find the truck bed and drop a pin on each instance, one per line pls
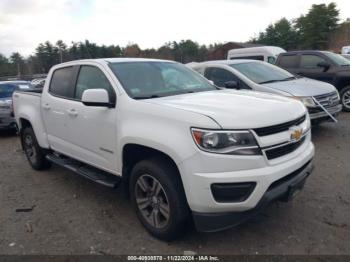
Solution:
(27, 107)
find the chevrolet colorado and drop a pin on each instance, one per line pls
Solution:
(182, 148)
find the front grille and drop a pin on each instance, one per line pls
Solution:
(283, 150)
(328, 100)
(265, 131)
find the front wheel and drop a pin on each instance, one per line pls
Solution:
(345, 98)
(34, 153)
(157, 195)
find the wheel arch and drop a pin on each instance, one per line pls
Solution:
(133, 153)
(40, 134)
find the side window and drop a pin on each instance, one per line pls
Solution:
(259, 57)
(271, 60)
(91, 77)
(61, 82)
(310, 61)
(288, 61)
(219, 76)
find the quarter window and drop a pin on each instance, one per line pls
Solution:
(311, 61)
(91, 77)
(61, 82)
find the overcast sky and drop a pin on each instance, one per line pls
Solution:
(150, 23)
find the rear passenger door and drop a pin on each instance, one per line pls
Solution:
(289, 62)
(54, 107)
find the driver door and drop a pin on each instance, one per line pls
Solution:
(92, 130)
(309, 68)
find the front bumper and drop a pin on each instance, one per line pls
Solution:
(318, 115)
(203, 170)
(282, 189)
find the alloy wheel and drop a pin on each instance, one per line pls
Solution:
(152, 201)
(29, 148)
(346, 99)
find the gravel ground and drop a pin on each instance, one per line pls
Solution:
(72, 215)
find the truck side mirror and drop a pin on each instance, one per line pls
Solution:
(96, 97)
(231, 85)
(324, 65)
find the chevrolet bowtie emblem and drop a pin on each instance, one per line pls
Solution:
(296, 133)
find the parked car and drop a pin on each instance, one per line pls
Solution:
(320, 65)
(7, 120)
(180, 146)
(38, 82)
(346, 56)
(345, 50)
(263, 53)
(264, 77)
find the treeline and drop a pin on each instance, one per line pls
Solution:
(310, 31)
(47, 54)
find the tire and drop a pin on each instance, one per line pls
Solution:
(34, 153)
(164, 215)
(345, 98)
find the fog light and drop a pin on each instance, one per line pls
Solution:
(232, 192)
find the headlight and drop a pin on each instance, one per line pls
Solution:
(307, 101)
(226, 142)
(307, 126)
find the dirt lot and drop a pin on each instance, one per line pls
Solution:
(72, 215)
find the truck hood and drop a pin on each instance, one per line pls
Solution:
(233, 109)
(303, 87)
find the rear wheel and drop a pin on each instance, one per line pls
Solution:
(34, 153)
(345, 98)
(158, 197)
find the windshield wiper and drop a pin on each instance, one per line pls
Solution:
(289, 78)
(270, 81)
(278, 80)
(146, 97)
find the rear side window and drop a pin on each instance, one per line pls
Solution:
(288, 61)
(91, 77)
(260, 58)
(61, 82)
(311, 61)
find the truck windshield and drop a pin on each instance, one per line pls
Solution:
(6, 90)
(338, 59)
(262, 73)
(143, 80)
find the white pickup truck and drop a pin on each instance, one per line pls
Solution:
(182, 148)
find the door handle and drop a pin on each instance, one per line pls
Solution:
(46, 106)
(72, 112)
